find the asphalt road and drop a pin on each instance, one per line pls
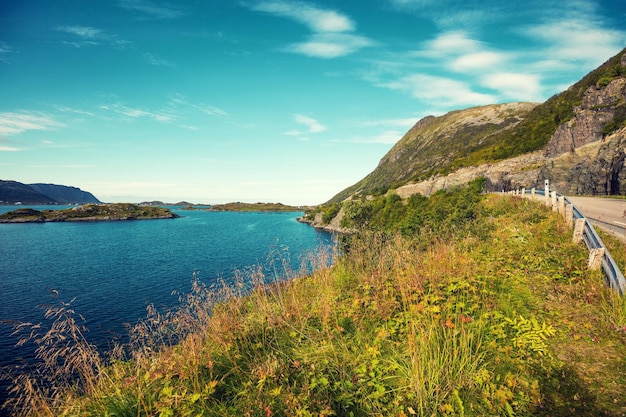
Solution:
(607, 213)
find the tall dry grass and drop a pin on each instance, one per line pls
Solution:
(67, 363)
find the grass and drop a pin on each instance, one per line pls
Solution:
(505, 322)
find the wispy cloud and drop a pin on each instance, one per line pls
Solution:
(152, 9)
(135, 113)
(6, 51)
(14, 123)
(86, 32)
(332, 35)
(181, 104)
(158, 62)
(7, 146)
(311, 126)
(83, 36)
(63, 166)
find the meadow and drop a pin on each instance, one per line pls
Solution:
(469, 305)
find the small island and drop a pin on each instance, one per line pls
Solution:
(255, 207)
(88, 213)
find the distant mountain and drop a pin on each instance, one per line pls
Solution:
(13, 192)
(65, 194)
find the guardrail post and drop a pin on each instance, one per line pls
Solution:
(553, 201)
(561, 201)
(595, 258)
(579, 227)
(533, 192)
(569, 214)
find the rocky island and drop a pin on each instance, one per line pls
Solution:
(88, 213)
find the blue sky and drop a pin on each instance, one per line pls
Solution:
(265, 100)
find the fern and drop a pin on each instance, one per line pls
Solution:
(530, 336)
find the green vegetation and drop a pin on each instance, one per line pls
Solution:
(457, 305)
(254, 207)
(88, 212)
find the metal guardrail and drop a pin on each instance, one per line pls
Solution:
(614, 276)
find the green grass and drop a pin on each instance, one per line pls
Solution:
(497, 317)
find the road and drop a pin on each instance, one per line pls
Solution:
(607, 213)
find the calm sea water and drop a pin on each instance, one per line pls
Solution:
(114, 270)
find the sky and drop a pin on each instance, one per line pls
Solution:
(212, 101)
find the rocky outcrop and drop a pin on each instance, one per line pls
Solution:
(599, 107)
(333, 227)
(596, 168)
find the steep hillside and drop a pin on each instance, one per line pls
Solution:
(437, 145)
(592, 110)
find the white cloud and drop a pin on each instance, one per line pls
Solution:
(330, 45)
(520, 87)
(329, 38)
(452, 42)
(5, 148)
(439, 91)
(82, 31)
(578, 40)
(311, 125)
(482, 60)
(318, 20)
(14, 123)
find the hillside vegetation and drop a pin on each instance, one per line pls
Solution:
(461, 304)
(462, 138)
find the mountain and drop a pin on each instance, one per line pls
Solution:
(12, 192)
(575, 139)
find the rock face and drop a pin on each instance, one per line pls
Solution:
(596, 168)
(598, 108)
(522, 171)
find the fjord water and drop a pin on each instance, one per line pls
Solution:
(114, 270)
